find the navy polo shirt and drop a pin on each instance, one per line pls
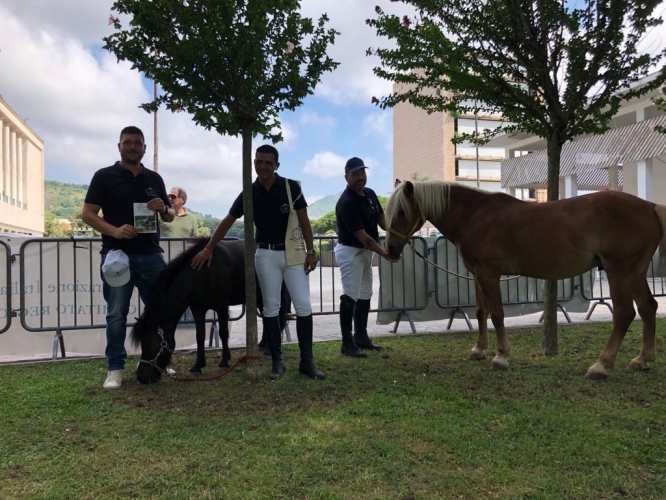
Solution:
(115, 190)
(355, 212)
(271, 209)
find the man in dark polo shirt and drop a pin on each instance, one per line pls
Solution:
(271, 213)
(358, 214)
(130, 197)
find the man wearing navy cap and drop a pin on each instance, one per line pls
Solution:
(358, 214)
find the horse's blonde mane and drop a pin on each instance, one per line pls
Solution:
(433, 196)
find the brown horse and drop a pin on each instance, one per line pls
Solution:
(497, 235)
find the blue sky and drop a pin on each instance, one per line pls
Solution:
(77, 97)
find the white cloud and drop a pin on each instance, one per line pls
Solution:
(325, 165)
(78, 104)
(380, 125)
(324, 124)
(353, 82)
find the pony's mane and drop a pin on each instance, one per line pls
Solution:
(161, 289)
(173, 268)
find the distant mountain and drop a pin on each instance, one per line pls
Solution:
(323, 206)
(64, 199)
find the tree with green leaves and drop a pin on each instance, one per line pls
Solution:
(552, 68)
(54, 227)
(234, 65)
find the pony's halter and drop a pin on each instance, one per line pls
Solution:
(163, 347)
(406, 238)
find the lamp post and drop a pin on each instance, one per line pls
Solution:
(155, 129)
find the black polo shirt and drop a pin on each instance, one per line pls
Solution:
(271, 209)
(115, 190)
(355, 212)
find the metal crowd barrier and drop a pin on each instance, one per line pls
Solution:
(454, 288)
(62, 288)
(600, 293)
(6, 287)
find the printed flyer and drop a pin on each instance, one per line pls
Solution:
(145, 220)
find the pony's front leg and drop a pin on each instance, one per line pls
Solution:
(200, 322)
(223, 316)
(478, 352)
(493, 299)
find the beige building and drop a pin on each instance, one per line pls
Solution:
(21, 176)
(422, 147)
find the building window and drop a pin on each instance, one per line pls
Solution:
(531, 194)
(457, 168)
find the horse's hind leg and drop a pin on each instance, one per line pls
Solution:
(223, 317)
(647, 310)
(493, 300)
(479, 350)
(200, 321)
(621, 291)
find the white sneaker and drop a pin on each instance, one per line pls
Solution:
(114, 379)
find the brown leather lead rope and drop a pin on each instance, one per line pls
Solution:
(241, 360)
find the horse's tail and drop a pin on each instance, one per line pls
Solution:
(661, 213)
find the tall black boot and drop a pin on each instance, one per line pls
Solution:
(361, 338)
(346, 317)
(304, 333)
(274, 338)
(263, 343)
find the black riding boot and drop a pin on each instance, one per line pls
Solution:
(346, 317)
(361, 338)
(263, 343)
(274, 338)
(304, 333)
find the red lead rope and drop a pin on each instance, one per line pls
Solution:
(241, 360)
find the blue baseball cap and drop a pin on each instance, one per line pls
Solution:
(354, 165)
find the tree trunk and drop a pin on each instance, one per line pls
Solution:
(549, 343)
(252, 365)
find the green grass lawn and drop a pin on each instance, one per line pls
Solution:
(417, 421)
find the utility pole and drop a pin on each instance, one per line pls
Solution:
(155, 129)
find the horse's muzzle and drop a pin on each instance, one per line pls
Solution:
(146, 374)
(394, 252)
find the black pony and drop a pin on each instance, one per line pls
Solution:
(179, 287)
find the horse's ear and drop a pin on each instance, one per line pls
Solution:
(409, 189)
(397, 183)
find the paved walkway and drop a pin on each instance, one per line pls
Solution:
(326, 328)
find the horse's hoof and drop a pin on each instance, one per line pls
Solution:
(475, 355)
(597, 371)
(638, 366)
(500, 364)
(596, 374)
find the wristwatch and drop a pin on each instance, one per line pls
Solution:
(311, 252)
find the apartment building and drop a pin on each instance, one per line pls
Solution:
(21, 176)
(422, 147)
